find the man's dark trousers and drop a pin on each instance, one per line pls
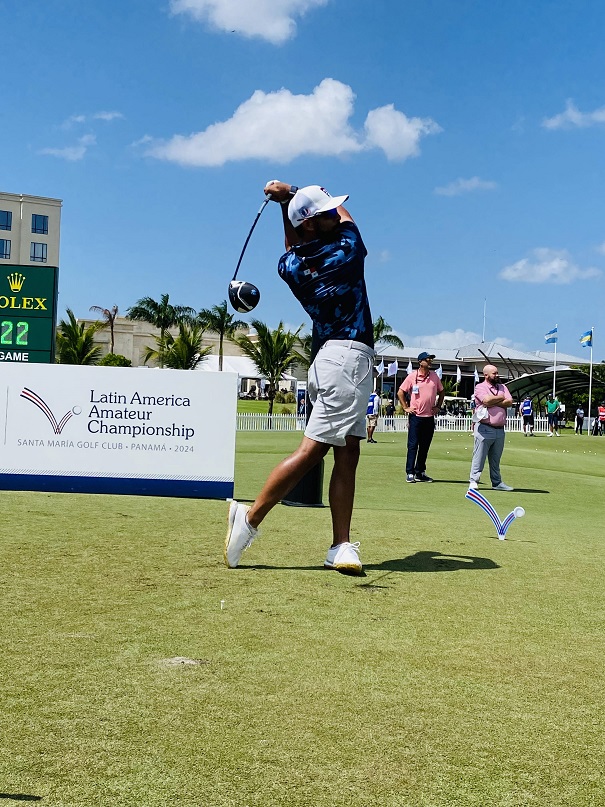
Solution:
(420, 435)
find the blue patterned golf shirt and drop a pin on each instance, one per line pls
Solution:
(326, 277)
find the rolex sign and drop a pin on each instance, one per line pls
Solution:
(28, 297)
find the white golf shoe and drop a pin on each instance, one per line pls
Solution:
(344, 558)
(472, 485)
(502, 486)
(239, 534)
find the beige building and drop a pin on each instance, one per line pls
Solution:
(132, 338)
(29, 230)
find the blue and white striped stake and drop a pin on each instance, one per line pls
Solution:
(501, 526)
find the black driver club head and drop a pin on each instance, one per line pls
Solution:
(244, 297)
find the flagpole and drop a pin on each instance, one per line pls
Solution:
(484, 308)
(590, 382)
(554, 375)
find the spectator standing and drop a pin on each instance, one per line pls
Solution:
(495, 398)
(389, 422)
(424, 391)
(579, 419)
(527, 413)
(372, 413)
(553, 407)
(602, 418)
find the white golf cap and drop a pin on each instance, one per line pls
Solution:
(311, 201)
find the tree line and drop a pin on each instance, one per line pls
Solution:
(273, 351)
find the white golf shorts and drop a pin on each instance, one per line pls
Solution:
(340, 383)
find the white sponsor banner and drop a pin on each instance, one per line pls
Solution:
(117, 430)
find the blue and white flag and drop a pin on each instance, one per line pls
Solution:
(408, 369)
(439, 372)
(551, 336)
(380, 368)
(586, 339)
(458, 375)
(392, 369)
(476, 376)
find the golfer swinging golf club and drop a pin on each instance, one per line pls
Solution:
(324, 268)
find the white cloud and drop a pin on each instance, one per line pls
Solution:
(73, 119)
(547, 266)
(601, 248)
(445, 339)
(280, 127)
(450, 340)
(78, 119)
(384, 256)
(72, 153)
(273, 20)
(397, 135)
(460, 186)
(573, 118)
(108, 116)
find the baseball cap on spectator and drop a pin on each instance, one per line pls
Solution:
(311, 201)
(425, 355)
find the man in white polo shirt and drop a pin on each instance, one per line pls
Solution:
(495, 398)
(421, 396)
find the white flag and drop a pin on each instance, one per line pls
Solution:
(476, 376)
(392, 369)
(408, 369)
(439, 372)
(458, 375)
(380, 368)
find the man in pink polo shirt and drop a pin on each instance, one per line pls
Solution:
(421, 396)
(489, 432)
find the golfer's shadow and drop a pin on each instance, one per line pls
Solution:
(428, 561)
(20, 797)
(424, 561)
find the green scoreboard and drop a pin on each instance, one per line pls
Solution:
(28, 313)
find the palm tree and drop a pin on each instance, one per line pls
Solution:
(75, 341)
(306, 346)
(272, 352)
(183, 353)
(161, 315)
(109, 315)
(384, 333)
(218, 320)
(450, 387)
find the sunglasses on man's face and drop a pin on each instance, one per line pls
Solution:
(328, 214)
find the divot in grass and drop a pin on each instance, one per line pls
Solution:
(179, 661)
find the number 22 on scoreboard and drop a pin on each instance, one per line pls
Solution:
(6, 333)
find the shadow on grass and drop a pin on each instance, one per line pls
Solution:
(530, 490)
(425, 561)
(20, 797)
(452, 481)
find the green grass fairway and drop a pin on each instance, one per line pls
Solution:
(460, 671)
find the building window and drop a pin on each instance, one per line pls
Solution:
(6, 220)
(38, 252)
(39, 224)
(5, 248)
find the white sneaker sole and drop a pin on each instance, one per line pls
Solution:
(344, 568)
(230, 522)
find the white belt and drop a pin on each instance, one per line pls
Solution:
(350, 344)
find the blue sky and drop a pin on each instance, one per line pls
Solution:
(470, 136)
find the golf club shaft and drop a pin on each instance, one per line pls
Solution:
(262, 207)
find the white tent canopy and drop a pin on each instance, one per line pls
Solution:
(242, 365)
